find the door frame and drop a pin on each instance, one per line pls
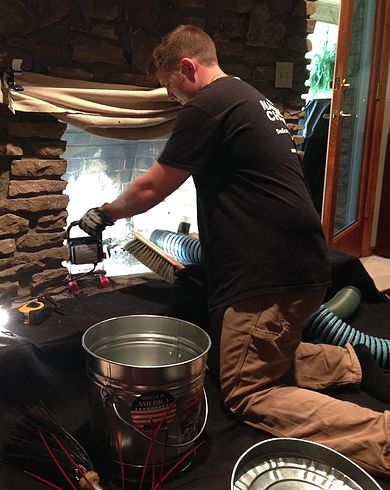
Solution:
(379, 77)
(356, 240)
(382, 246)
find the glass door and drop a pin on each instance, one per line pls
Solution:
(344, 206)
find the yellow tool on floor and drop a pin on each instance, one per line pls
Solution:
(36, 311)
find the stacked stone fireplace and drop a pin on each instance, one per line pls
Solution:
(111, 42)
(33, 207)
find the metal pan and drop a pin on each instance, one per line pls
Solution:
(295, 464)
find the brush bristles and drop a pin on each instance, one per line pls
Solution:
(24, 449)
(153, 258)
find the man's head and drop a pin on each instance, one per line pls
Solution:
(186, 41)
(185, 61)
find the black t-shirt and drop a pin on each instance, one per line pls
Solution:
(258, 228)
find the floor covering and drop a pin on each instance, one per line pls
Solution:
(47, 363)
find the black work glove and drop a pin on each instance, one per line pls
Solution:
(95, 221)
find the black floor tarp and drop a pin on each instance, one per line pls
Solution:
(47, 363)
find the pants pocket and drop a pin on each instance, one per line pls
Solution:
(270, 324)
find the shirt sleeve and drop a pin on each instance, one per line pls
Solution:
(193, 140)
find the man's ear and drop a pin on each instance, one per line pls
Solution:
(188, 68)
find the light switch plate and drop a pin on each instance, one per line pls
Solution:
(284, 74)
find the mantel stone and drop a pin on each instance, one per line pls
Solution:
(42, 186)
(265, 30)
(52, 130)
(51, 222)
(29, 15)
(35, 241)
(8, 289)
(40, 259)
(48, 149)
(7, 247)
(88, 50)
(49, 277)
(35, 204)
(10, 224)
(100, 9)
(29, 167)
(10, 149)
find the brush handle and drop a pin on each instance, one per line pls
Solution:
(158, 250)
(90, 479)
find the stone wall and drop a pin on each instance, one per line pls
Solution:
(111, 41)
(32, 206)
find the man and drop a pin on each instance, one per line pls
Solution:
(264, 251)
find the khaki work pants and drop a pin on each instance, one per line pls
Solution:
(267, 376)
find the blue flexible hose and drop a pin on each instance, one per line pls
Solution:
(330, 329)
(184, 248)
(324, 325)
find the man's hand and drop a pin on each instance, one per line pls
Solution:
(95, 221)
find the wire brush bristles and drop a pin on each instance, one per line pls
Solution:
(40, 445)
(153, 257)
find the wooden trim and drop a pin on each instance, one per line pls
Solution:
(379, 73)
(348, 241)
(382, 246)
(357, 238)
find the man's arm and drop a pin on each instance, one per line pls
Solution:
(146, 191)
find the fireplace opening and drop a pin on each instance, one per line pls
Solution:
(98, 170)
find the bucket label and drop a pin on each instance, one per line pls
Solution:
(153, 409)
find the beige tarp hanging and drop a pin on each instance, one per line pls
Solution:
(113, 111)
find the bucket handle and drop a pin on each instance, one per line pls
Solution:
(183, 444)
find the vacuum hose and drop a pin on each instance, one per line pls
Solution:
(184, 248)
(345, 303)
(327, 326)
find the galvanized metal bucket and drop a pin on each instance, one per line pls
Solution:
(295, 463)
(147, 391)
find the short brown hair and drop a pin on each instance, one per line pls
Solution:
(184, 41)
